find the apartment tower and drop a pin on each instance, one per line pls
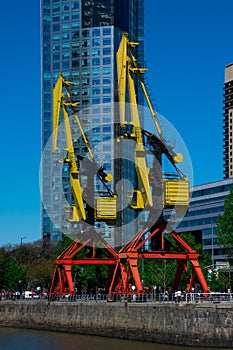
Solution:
(228, 122)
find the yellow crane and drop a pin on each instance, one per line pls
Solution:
(175, 191)
(105, 206)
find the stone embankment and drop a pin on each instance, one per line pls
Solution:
(181, 324)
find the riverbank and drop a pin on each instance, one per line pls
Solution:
(168, 323)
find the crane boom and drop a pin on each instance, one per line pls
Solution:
(105, 206)
(58, 102)
(177, 189)
(144, 196)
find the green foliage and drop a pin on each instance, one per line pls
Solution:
(39, 273)
(161, 272)
(13, 273)
(2, 264)
(224, 228)
(216, 281)
(89, 278)
(64, 243)
(34, 264)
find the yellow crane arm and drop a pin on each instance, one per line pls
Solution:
(122, 62)
(124, 76)
(57, 95)
(58, 101)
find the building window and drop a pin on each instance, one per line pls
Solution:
(96, 138)
(95, 81)
(107, 109)
(95, 52)
(65, 55)
(95, 61)
(96, 91)
(56, 27)
(106, 90)
(106, 148)
(106, 60)
(65, 64)
(96, 71)
(96, 130)
(56, 65)
(75, 24)
(106, 31)
(56, 47)
(65, 26)
(106, 81)
(75, 5)
(86, 43)
(106, 70)
(65, 17)
(65, 36)
(65, 46)
(106, 51)
(107, 166)
(96, 101)
(56, 18)
(65, 7)
(56, 8)
(96, 110)
(106, 157)
(107, 137)
(95, 42)
(107, 128)
(56, 56)
(95, 32)
(107, 99)
(106, 41)
(107, 119)
(75, 15)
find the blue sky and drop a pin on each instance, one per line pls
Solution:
(187, 45)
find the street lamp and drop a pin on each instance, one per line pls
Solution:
(21, 250)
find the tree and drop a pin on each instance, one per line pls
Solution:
(39, 273)
(161, 272)
(224, 230)
(13, 273)
(2, 264)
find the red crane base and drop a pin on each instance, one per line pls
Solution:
(123, 265)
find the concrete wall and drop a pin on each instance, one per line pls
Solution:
(180, 324)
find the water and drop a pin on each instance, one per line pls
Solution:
(23, 339)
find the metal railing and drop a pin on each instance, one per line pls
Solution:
(147, 297)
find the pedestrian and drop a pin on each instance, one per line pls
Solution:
(179, 295)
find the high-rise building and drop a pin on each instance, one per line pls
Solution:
(80, 38)
(207, 200)
(228, 122)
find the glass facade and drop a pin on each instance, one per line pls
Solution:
(207, 202)
(80, 38)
